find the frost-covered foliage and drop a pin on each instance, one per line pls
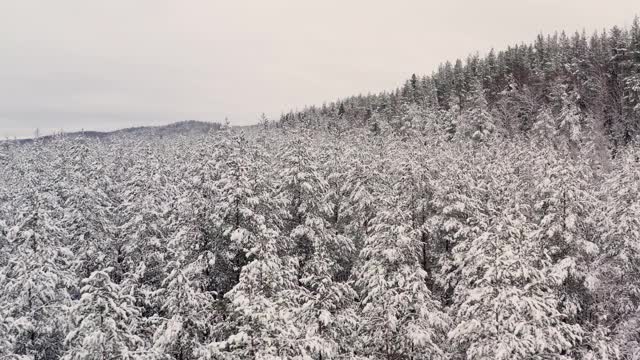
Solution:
(490, 211)
(320, 244)
(556, 84)
(104, 321)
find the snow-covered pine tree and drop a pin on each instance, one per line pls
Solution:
(361, 188)
(324, 302)
(105, 322)
(234, 212)
(476, 122)
(615, 280)
(337, 165)
(88, 210)
(301, 187)
(569, 122)
(185, 316)
(545, 127)
(263, 324)
(504, 307)
(562, 202)
(460, 213)
(36, 276)
(324, 305)
(399, 316)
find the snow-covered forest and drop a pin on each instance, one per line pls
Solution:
(526, 88)
(493, 218)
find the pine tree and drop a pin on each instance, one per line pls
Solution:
(399, 316)
(569, 121)
(36, 279)
(263, 323)
(615, 272)
(105, 322)
(503, 309)
(187, 316)
(321, 299)
(476, 122)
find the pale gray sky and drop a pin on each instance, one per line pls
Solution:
(93, 64)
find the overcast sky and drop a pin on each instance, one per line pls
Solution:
(92, 64)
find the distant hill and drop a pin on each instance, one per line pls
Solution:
(181, 127)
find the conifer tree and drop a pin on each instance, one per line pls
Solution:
(36, 279)
(502, 308)
(105, 322)
(399, 316)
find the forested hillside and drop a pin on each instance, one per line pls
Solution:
(490, 211)
(570, 84)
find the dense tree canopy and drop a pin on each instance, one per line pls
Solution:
(489, 211)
